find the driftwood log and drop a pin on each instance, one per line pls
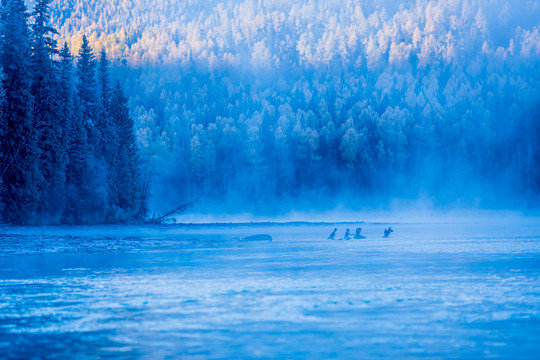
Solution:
(176, 211)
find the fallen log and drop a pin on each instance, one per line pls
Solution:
(178, 210)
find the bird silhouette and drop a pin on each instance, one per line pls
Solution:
(387, 232)
(357, 235)
(331, 237)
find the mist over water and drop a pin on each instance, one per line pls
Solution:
(413, 212)
(268, 107)
(359, 179)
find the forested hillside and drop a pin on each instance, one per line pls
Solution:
(67, 142)
(272, 100)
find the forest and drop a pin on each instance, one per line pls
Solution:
(268, 105)
(67, 142)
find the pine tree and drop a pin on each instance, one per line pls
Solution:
(20, 173)
(47, 106)
(129, 192)
(87, 175)
(2, 126)
(85, 179)
(107, 147)
(87, 89)
(75, 139)
(66, 92)
(105, 86)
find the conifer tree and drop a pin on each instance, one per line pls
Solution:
(75, 139)
(65, 92)
(78, 174)
(19, 170)
(67, 152)
(86, 170)
(86, 88)
(2, 126)
(127, 172)
(107, 147)
(2, 122)
(104, 81)
(47, 106)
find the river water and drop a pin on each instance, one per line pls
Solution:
(431, 290)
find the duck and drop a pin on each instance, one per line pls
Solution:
(331, 237)
(387, 232)
(357, 235)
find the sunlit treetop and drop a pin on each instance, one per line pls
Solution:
(274, 34)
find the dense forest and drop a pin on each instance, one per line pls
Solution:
(264, 105)
(327, 101)
(67, 143)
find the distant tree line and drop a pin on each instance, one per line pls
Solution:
(67, 143)
(326, 137)
(351, 101)
(273, 103)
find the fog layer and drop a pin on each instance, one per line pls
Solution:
(270, 105)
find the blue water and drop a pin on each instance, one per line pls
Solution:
(446, 290)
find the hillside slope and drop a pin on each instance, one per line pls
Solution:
(270, 32)
(272, 100)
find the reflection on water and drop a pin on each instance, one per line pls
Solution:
(427, 291)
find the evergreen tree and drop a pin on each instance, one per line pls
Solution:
(66, 92)
(129, 198)
(51, 126)
(86, 88)
(78, 157)
(20, 173)
(2, 126)
(105, 86)
(2, 122)
(63, 152)
(79, 175)
(86, 170)
(75, 139)
(107, 147)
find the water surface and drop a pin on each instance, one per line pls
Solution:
(437, 290)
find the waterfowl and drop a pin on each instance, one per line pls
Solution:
(357, 235)
(331, 237)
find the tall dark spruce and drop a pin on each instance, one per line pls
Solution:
(20, 153)
(128, 190)
(66, 95)
(2, 127)
(107, 147)
(87, 172)
(51, 125)
(77, 171)
(67, 147)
